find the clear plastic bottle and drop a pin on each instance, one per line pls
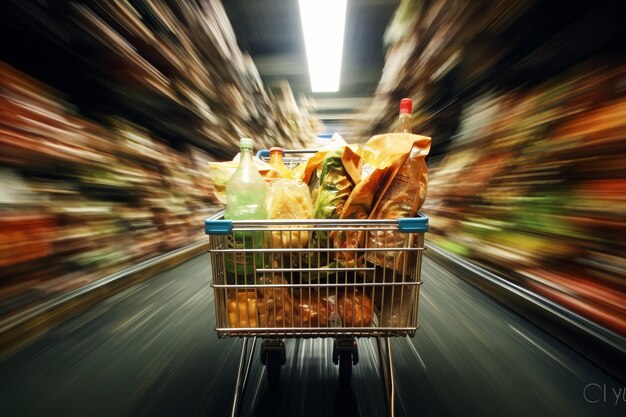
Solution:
(404, 119)
(246, 193)
(246, 189)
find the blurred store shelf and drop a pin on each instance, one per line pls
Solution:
(109, 115)
(526, 104)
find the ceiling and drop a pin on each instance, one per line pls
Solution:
(270, 31)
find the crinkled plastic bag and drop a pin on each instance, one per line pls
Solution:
(383, 158)
(289, 199)
(334, 187)
(402, 195)
(331, 178)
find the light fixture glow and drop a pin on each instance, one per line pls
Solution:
(323, 24)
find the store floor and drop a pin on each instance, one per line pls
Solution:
(152, 351)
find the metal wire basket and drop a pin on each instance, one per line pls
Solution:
(291, 278)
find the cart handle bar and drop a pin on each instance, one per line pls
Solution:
(264, 153)
(405, 225)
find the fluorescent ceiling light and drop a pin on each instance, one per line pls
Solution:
(323, 24)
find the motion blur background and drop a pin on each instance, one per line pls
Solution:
(111, 110)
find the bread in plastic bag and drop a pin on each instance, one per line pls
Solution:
(382, 157)
(289, 199)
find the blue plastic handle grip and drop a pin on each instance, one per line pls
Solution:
(263, 153)
(218, 227)
(413, 224)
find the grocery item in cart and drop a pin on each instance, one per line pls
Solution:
(402, 196)
(330, 187)
(242, 309)
(279, 170)
(359, 204)
(331, 175)
(245, 200)
(267, 306)
(403, 193)
(331, 184)
(275, 304)
(319, 265)
(221, 172)
(383, 157)
(355, 308)
(334, 319)
(289, 199)
(312, 310)
(271, 306)
(404, 118)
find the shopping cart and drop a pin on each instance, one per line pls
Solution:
(341, 279)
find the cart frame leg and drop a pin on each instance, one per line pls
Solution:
(385, 359)
(386, 369)
(345, 354)
(345, 344)
(273, 356)
(245, 364)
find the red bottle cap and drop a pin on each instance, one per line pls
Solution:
(406, 106)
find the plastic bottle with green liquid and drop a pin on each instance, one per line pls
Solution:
(246, 193)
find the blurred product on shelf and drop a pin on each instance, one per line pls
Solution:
(542, 190)
(79, 200)
(528, 171)
(107, 142)
(173, 68)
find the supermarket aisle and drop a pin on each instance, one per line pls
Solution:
(151, 351)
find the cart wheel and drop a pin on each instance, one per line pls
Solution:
(272, 368)
(345, 369)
